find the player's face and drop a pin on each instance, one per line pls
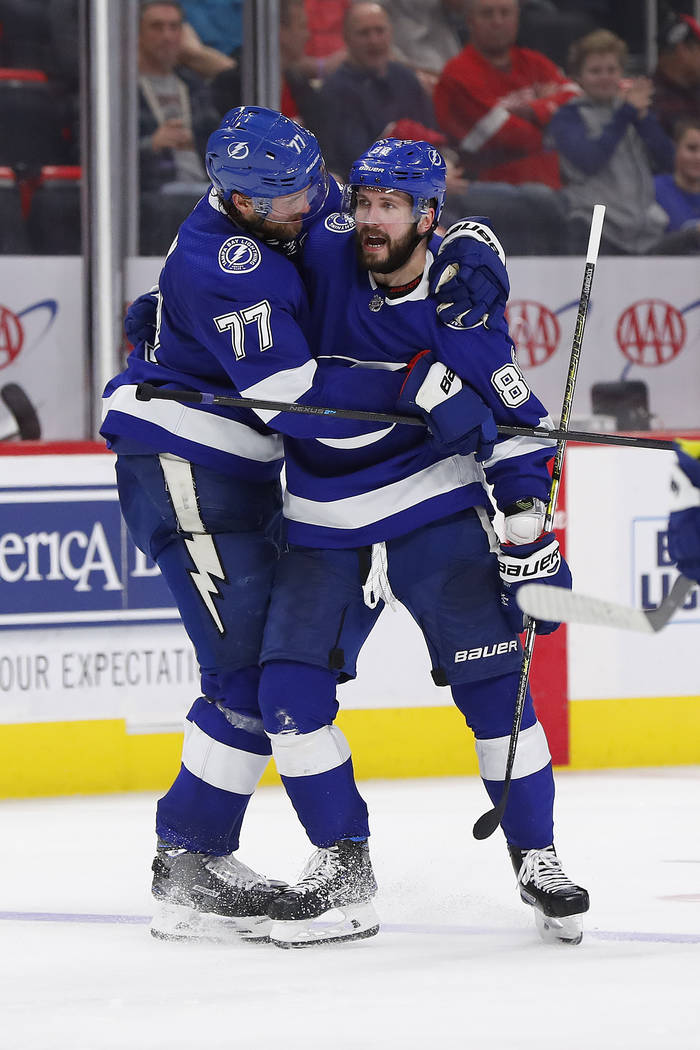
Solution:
(688, 157)
(600, 77)
(385, 229)
(283, 222)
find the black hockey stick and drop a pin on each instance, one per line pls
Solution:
(488, 822)
(558, 603)
(146, 392)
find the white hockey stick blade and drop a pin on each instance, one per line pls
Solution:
(557, 603)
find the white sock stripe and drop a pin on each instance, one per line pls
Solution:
(307, 754)
(221, 765)
(531, 756)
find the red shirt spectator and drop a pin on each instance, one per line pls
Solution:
(494, 100)
(325, 19)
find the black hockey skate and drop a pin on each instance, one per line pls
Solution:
(208, 898)
(558, 903)
(340, 878)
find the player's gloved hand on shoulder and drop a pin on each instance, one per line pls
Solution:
(460, 422)
(469, 278)
(140, 319)
(540, 561)
(684, 523)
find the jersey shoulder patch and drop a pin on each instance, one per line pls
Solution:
(337, 222)
(239, 255)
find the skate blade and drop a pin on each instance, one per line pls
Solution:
(178, 922)
(567, 930)
(357, 922)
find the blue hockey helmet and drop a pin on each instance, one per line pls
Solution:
(415, 168)
(262, 155)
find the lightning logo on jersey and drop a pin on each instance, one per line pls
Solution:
(239, 255)
(202, 550)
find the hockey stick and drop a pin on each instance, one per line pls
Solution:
(146, 392)
(557, 603)
(488, 822)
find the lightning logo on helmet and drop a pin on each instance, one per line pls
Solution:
(238, 150)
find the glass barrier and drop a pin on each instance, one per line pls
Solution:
(183, 66)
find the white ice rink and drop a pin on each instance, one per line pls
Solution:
(457, 964)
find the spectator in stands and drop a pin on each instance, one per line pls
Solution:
(325, 47)
(201, 58)
(494, 100)
(299, 98)
(427, 34)
(679, 194)
(218, 23)
(552, 30)
(368, 91)
(175, 115)
(677, 76)
(607, 139)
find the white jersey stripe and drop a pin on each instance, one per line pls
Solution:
(287, 385)
(357, 442)
(204, 428)
(354, 512)
(513, 447)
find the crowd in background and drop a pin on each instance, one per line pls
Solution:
(540, 107)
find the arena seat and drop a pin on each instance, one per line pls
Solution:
(160, 216)
(53, 222)
(627, 401)
(13, 235)
(34, 120)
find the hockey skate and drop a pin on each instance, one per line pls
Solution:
(205, 898)
(336, 879)
(557, 902)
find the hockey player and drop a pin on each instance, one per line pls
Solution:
(684, 522)
(199, 487)
(388, 517)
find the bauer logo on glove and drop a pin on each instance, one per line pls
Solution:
(522, 563)
(536, 566)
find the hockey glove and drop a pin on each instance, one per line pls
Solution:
(468, 277)
(459, 421)
(538, 562)
(140, 320)
(684, 524)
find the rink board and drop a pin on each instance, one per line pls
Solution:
(96, 672)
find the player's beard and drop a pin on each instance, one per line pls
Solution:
(268, 230)
(397, 250)
(263, 228)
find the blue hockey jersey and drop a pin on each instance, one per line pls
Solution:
(233, 318)
(357, 490)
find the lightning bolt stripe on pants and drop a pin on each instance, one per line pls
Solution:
(200, 545)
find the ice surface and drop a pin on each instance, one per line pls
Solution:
(457, 964)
